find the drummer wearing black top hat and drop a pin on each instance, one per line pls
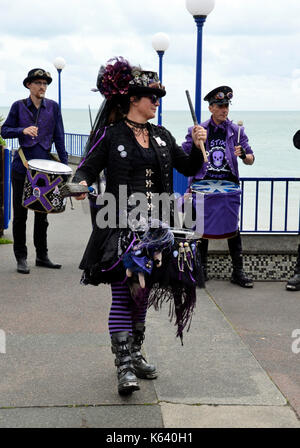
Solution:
(37, 123)
(226, 142)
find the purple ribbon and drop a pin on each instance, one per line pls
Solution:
(120, 259)
(43, 190)
(98, 141)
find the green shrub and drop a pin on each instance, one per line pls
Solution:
(5, 241)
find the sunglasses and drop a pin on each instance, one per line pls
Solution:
(153, 98)
(221, 95)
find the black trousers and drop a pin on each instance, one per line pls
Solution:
(19, 222)
(234, 246)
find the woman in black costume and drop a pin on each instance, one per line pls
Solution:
(139, 257)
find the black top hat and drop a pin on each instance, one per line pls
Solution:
(37, 73)
(219, 95)
(145, 83)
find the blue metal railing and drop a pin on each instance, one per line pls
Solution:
(285, 203)
(268, 205)
(74, 143)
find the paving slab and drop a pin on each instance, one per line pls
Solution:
(214, 366)
(58, 370)
(266, 317)
(83, 417)
(183, 416)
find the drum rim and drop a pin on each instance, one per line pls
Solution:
(185, 233)
(49, 171)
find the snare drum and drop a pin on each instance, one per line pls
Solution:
(217, 205)
(43, 181)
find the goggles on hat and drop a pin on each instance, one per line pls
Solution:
(221, 95)
(41, 73)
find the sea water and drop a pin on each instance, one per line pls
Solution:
(270, 136)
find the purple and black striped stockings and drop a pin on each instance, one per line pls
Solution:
(124, 311)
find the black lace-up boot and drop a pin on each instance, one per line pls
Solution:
(142, 368)
(126, 373)
(294, 283)
(238, 275)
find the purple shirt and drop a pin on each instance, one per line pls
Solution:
(22, 115)
(231, 141)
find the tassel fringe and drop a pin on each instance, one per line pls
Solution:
(182, 302)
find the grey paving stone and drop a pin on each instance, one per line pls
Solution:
(183, 416)
(82, 417)
(213, 367)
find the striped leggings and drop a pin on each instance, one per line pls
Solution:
(124, 312)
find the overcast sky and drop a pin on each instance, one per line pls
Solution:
(252, 46)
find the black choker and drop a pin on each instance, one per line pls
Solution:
(139, 129)
(136, 125)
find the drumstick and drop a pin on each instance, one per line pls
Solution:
(240, 124)
(196, 123)
(91, 121)
(38, 112)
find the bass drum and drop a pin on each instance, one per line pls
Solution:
(217, 204)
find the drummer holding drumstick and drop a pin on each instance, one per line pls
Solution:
(226, 142)
(36, 122)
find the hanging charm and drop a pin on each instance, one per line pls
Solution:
(181, 255)
(188, 256)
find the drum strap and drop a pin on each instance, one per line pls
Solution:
(23, 158)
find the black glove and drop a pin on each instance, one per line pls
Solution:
(243, 156)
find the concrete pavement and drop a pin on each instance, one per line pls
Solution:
(236, 368)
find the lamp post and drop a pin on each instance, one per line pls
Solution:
(160, 42)
(59, 64)
(199, 10)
